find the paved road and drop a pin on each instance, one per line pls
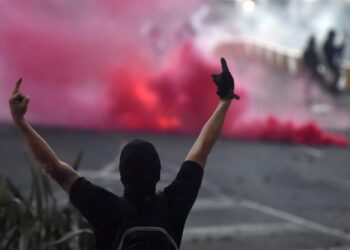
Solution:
(254, 195)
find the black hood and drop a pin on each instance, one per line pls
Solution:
(139, 168)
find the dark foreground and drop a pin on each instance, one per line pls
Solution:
(254, 195)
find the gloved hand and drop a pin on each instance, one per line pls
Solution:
(225, 83)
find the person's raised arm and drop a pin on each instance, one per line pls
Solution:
(212, 128)
(60, 171)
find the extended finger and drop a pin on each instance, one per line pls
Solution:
(18, 84)
(224, 65)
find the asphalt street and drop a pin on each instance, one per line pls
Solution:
(254, 195)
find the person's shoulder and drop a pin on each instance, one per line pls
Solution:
(78, 184)
(192, 166)
(190, 173)
(83, 187)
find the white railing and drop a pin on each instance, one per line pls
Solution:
(279, 56)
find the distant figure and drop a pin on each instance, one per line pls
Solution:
(311, 59)
(141, 219)
(333, 54)
(311, 62)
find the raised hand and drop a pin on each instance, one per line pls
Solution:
(18, 103)
(225, 83)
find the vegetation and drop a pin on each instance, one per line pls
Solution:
(38, 221)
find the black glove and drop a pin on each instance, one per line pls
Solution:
(225, 83)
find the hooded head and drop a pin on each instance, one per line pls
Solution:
(139, 168)
(331, 35)
(311, 43)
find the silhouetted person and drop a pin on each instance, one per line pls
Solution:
(114, 219)
(333, 54)
(310, 57)
(311, 62)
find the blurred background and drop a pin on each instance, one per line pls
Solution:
(100, 73)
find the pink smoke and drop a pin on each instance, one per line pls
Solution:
(118, 65)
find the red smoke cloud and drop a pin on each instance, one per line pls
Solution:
(179, 98)
(117, 65)
(273, 129)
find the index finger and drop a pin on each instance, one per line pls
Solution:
(18, 84)
(224, 65)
